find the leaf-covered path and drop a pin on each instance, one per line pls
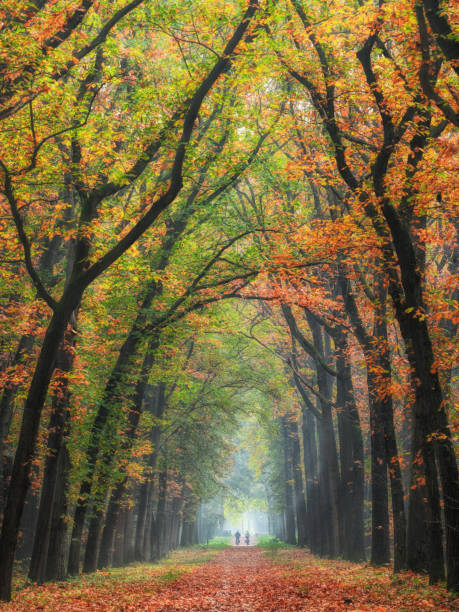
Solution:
(245, 579)
(238, 579)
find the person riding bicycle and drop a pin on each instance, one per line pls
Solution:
(247, 538)
(237, 535)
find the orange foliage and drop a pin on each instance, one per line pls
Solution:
(240, 579)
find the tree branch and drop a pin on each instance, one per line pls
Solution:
(41, 290)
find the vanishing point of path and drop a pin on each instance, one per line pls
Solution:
(238, 579)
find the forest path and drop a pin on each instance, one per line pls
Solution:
(247, 579)
(238, 579)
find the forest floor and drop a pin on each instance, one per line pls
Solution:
(238, 579)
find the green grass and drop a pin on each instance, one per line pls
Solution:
(218, 543)
(205, 552)
(271, 545)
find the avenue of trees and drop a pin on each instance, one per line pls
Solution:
(228, 223)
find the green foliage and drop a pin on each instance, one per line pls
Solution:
(271, 545)
(218, 543)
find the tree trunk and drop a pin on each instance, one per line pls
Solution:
(96, 522)
(419, 529)
(385, 404)
(315, 525)
(351, 456)
(329, 471)
(376, 371)
(6, 413)
(129, 538)
(56, 567)
(431, 419)
(156, 405)
(111, 521)
(380, 540)
(160, 519)
(27, 528)
(20, 477)
(57, 427)
(144, 512)
(300, 503)
(120, 540)
(288, 488)
(430, 409)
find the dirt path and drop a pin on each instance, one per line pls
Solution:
(244, 579)
(240, 578)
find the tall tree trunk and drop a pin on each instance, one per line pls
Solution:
(19, 482)
(378, 398)
(97, 517)
(120, 540)
(110, 524)
(300, 503)
(145, 510)
(56, 566)
(160, 519)
(96, 523)
(57, 427)
(129, 537)
(27, 527)
(430, 420)
(419, 529)
(156, 405)
(329, 471)
(385, 404)
(6, 413)
(52, 253)
(189, 518)
(151, 532)
(315, 525)
(288, 488)
(380, 539)
(351, 456)
(430, 409)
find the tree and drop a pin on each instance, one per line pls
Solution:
(84, 272)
